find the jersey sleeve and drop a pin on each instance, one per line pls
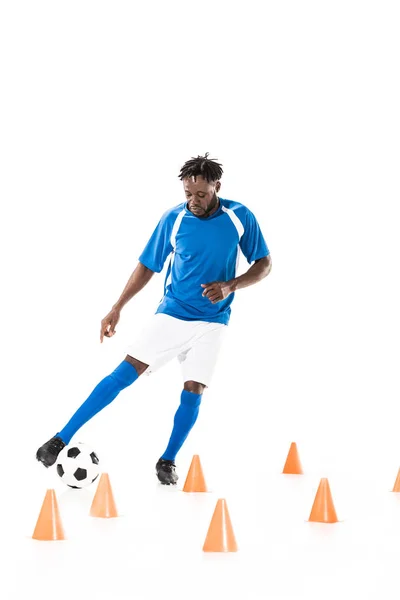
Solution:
(252, 242)
(159, 247)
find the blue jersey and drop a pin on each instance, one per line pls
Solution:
(201, 250)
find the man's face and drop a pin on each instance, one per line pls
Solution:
(200, 195)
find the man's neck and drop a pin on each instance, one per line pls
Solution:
(213, 210)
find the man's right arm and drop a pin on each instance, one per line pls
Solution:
(154, 254)
(139, 278)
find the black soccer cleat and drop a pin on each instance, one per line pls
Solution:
(166, 473)
(47, 454)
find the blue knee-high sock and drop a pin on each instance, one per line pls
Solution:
(185, 418)
(104, 393)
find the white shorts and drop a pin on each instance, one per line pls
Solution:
(196, 344)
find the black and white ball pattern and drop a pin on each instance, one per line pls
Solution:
(78, 465)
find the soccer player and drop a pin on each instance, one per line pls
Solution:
(202, 237)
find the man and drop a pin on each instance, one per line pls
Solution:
(203, 237)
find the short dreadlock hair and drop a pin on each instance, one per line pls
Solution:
(204, 166)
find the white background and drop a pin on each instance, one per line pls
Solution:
(101, 105)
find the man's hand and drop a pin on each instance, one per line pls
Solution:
(217, 290)
(108, 324)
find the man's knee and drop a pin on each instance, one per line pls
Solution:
(194, 386)
(139, 366)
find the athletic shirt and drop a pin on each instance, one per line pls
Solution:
(201, 250)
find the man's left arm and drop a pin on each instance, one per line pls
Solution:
(219, 290)
(252, 244)
(258, 270)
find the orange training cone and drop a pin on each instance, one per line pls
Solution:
(220, 536)
(396, 487)
(293, 464)
(195, 481)
(103, 504)
(49, 526)
(323, 510)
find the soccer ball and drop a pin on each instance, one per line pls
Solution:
(78, 465)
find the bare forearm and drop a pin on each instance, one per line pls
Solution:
(139, 278)
(256, 273)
